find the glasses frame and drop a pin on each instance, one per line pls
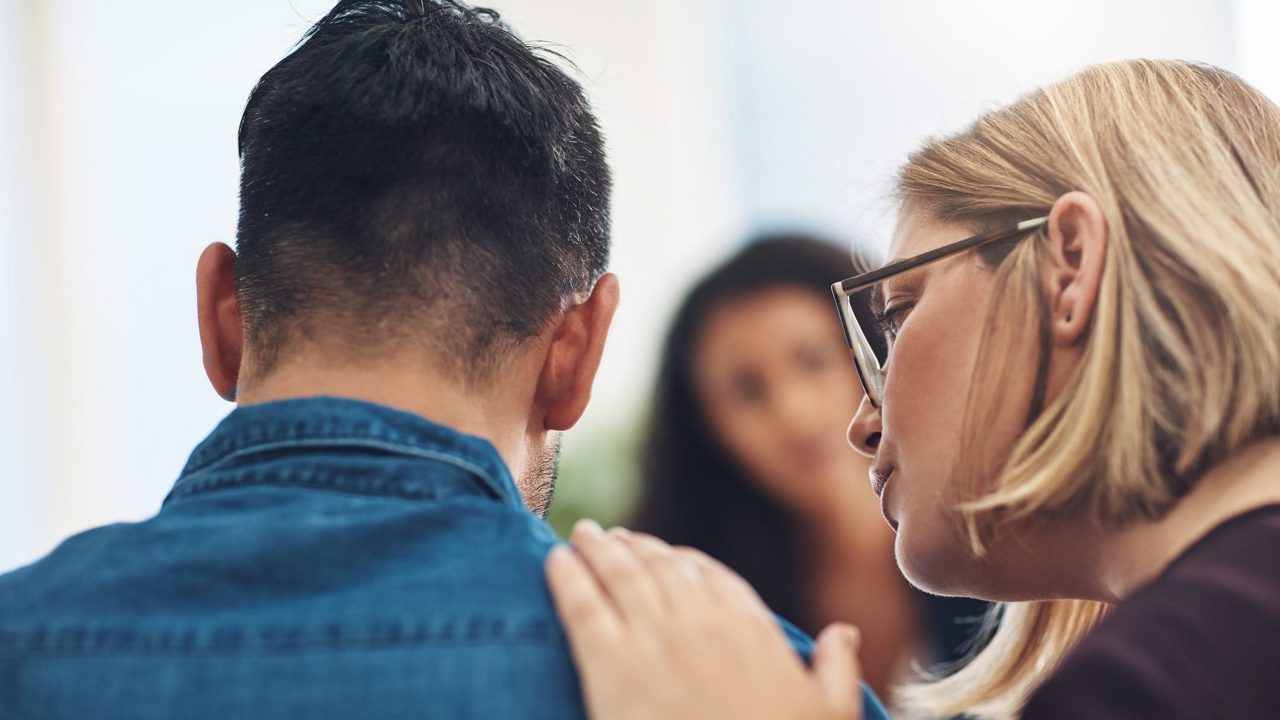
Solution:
(870, 372)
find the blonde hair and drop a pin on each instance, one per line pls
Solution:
(1182, 363)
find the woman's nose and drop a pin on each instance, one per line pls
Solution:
(864, 430)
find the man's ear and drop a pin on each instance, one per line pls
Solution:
(1076, 257)
(221, 326)
(573, 356)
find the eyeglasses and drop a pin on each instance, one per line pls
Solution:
(863, 328)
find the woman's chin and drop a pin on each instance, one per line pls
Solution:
(936, 565)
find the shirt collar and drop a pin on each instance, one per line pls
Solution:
(330, 422)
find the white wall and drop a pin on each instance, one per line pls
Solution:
(22, 430)
(122, 117)
(118, 164)
(1257, 52)
(830, 96)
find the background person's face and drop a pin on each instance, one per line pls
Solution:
(773, 378)
(940, 311)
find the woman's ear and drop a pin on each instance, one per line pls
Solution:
(221, 326)
(573, 356)
(1076, 251)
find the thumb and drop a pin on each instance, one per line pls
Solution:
(835, 667)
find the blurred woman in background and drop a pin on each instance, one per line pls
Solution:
(746, 456)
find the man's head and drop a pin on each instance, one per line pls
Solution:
(419, 188)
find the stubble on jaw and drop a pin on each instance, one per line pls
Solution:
(537, 484)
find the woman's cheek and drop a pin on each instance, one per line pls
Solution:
(747, 438)
(932, 555)
(925, 392)
(911, 401)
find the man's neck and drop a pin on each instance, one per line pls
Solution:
(410, 387)
(1136, 555)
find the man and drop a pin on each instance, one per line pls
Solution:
(416, 307)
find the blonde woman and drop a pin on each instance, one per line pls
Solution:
(1078, 415)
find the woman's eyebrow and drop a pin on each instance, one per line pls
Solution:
(906, 282)
(877, 298)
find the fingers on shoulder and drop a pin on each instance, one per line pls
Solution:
(727, 587)
(624, 577)
(588, 615)
(837, 671)
(676, 575)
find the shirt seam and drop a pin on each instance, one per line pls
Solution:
(294, 649)
(79, 641)
(438, 456)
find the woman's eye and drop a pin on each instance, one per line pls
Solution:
(889, 322)
(748, 389)
(815, 359)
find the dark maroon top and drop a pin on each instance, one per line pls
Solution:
(1201, 641)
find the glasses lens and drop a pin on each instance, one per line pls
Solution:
(861, 302)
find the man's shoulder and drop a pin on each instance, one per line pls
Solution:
(319, 561)
(437, 606)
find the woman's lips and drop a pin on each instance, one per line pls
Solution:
(880, 479)
(814, 454)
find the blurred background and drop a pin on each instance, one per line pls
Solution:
(725, 119)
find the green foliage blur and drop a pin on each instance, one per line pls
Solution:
(599, 476)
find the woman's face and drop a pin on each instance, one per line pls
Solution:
(773, 377)
(939, 312)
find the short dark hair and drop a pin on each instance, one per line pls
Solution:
(414, 171)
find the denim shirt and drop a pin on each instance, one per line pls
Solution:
(317, 558)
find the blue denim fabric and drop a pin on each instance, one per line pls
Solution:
(318, 558)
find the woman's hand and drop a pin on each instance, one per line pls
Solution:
(662, 632)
